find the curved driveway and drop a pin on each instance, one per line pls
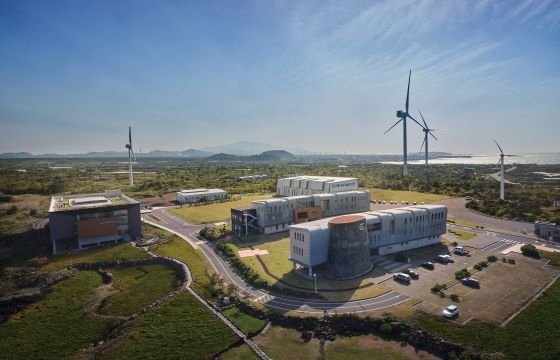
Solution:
(161, 218)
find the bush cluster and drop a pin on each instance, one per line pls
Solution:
(249, 274)
(481, 265)
(531, 251)
(461, 274)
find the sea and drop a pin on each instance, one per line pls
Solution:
(529, 158)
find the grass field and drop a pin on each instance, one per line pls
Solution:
(138, 287)
(200, 268)
(242, 352)
(533, 334)
(553, 256)
(246, 323)
(178, 329)
(281, 343)
(398, 195)
(123, 251)
(56, 326)
(213, 212)
(461, 235)
(277, 262)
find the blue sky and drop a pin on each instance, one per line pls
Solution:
(323, 76)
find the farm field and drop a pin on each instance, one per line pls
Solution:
(124, 251)
(213, 212)
(59, 324)
(137, 287)
(287, 344)
(200, 267)
(175, 328)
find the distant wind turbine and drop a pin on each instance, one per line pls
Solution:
(502, 172)
(403, 115)
(426, 131)
(130, 155)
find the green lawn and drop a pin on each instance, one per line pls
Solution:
(462, 235)
(242, 352)
(463, 222)
(246, 323)
(398, 195)
(56, 326)
(213, 212)
(277, 262)
(181, 328)
(179, 249)
(533, 334)
(138, 287)
(125, 251)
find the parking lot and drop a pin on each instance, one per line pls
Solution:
(504, 288)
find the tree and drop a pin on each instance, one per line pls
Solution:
(531, 251)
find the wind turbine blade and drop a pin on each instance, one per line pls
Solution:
(499, 146)
(392, 126)
(421, 147)
(423, 119)
(413, 119)
(433, 136)
(133, 154)
(408, 91)
(129, 136)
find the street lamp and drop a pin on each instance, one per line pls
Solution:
(315, 278)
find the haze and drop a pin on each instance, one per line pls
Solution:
(321, 76)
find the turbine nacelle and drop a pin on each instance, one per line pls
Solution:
(128, 146)
(402, 114)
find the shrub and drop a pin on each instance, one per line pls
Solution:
(12, 210)
(511, 261)
(386, 329)
(454, 297)
(504, 260)
(454, 243)
(463, 273)
(531, 251)
(438, 288)
(492, 258)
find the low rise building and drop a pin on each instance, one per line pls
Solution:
(310, 185)
(81, 221)
(276, 215)
(388, 232)
(200, 195)
(243, 220)
(548, 231)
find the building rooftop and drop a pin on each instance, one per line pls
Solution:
(319, 178)
(86, 201)
(345, 219)
(200, 191)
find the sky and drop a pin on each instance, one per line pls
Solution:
(325, 76)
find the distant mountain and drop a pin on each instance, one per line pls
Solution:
(16, 155)
(247, 148)
(270, 155)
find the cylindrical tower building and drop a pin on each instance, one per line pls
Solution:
(348, 247)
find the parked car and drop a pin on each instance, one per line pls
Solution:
(402, 202)
(428, 265)
(412, 273)
(468, 198)
(449, 258)
(459, 250)
(470, 282)
(451, 311)
(402, 277)
(442, 259)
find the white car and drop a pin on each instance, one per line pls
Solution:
(449, 258)
(402, 277)
(450, 311)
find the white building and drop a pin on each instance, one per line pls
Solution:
(309, 185)
(200, 195)
(276, 215)
(389, 231)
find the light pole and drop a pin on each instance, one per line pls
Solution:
(315, 278)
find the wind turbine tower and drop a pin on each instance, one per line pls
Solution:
(403, 115)
(502, 171)
(426, 131)
(130, 155)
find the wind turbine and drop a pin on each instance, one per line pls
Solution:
(130, 155)
(426, 131)
(502, 172)
(403, 115)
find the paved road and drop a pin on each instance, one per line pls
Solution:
(456, 208)
(187, 231)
